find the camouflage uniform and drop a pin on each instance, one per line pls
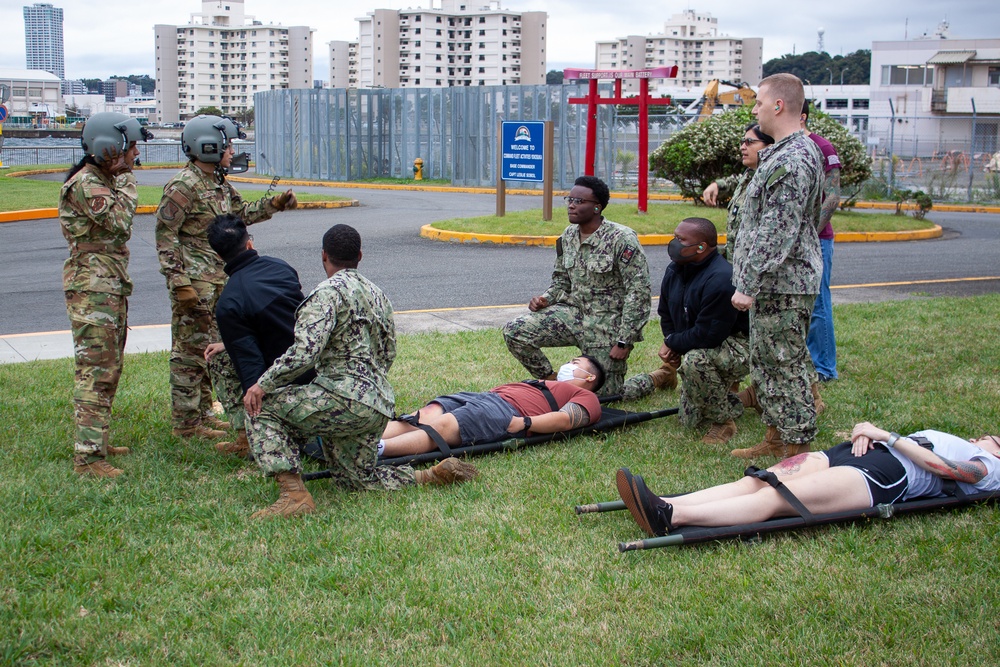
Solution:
(777, 261)
(228, 388)
(95, 213)
(345, 331)
(191, 201)
(706, 375)
(599, 295)
(738, 185)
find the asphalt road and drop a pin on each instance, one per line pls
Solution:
(420, 274)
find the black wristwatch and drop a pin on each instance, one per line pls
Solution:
(622, 344)
(527, 423)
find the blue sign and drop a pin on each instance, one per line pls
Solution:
(3, 113)
(522, 157)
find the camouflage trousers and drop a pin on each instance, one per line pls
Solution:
(706, 376)
(349, 429)
(228, 388)
(191, 330)
(99, 324)
(560, 325)
(780, 365)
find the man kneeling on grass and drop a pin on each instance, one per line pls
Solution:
(468, 418)
(344, 331)
(875, 467)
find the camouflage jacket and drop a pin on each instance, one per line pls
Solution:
(345, 331)
(190, 202)
(605, 277)
(95, 214)
(736, 184)
(777, 244)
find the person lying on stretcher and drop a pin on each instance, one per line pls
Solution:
(468, 418)
(874, 467)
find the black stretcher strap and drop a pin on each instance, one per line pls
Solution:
(414, 420)
(772, 479)
(540, 386)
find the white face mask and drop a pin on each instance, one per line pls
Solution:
(567, 372)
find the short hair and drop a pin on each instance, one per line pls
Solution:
(786, 87)
(805, 109)
(704, 229)
(228, 236)
(759, 133)
(342, 244)
(597, 186)
(598, 371)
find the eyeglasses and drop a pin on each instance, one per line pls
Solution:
(577, 201)
(746, 141)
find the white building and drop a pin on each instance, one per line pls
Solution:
(454, 44)
(35, 95)
(222, 56)
(343, 64)
(43, 38)
(692, 42)
(850, 105)
(930, 85)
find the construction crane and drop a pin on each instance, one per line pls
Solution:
(742, 94)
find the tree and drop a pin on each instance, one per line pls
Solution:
(819, 68)
(208, 111)
(554, 78)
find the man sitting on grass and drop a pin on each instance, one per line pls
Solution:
(468, 418)
(875, 467)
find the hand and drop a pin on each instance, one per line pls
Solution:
(213, 349)
(741, 301)
(620, 353)
(186, 296)
(862, 436)
(252, 400)
(115, 161)
(538, 303)
(286, 201)
(668, 356)
(711, 194)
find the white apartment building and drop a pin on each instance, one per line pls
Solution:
(222, 56)
(343, 64)
(453, 44)
(692, 42)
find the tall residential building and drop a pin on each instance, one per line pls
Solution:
(693, 43)
(343, 64)
(453, 44)
(222, 56)
(43, 38)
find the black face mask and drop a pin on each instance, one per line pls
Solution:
(675, 249)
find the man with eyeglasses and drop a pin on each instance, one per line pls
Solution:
(599, 298)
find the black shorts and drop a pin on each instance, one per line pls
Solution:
(481, 416)
(885, 475)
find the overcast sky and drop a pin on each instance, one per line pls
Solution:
(106, 37)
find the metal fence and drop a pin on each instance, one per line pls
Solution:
(69, 152)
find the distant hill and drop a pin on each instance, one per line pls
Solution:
(821, 68)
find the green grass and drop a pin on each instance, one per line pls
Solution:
(661, 218)
(20, 193)
(163, 566)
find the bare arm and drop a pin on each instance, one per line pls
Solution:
(569, 417)
(969, 472)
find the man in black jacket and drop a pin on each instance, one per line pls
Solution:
(704, 336)
(256, 317)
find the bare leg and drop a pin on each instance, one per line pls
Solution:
(790, 468)
(424, 414)
(418, 442)
(831, 490)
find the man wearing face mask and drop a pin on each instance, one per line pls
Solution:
(467, 418)
(703, 334)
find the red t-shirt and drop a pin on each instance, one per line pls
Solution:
(830, 161)
(530, 402)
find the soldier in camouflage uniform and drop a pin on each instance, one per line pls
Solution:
(96, 205)
(599, 298)
(194, 272)
(344, 330)
(776, 271)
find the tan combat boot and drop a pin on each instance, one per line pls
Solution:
(97, 468)
(720, 434)
(199, 431)
(117, 451)
(293, 500)
(210, 420)
(817, 399)
(449, 471)
(771, 445)
(240, 448)
(748, 397)
(665, 377)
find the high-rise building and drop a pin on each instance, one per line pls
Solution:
(222, 56)
(454, 44)
(343, 64)
(693, 43)
(43, 38)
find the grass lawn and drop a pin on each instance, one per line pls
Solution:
(661, 218)
(24, 193)
(163, 567)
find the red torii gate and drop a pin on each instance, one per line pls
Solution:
(643, 101)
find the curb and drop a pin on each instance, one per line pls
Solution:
(435, 234)
(51, 213)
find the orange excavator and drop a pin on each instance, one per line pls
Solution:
(742, 94)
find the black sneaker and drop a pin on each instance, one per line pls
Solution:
(626, 489)
(658, 512)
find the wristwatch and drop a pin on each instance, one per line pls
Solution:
(893, 437)
(622, 344)
(527, 423)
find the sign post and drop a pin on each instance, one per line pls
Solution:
(4, 96)
(525, 154)
(643, 101)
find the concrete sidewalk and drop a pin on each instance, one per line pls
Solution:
(18, 348)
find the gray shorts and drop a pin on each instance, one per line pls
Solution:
(481, 416)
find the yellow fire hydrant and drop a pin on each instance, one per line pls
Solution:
(418, 170)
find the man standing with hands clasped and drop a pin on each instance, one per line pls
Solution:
(777, 267)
